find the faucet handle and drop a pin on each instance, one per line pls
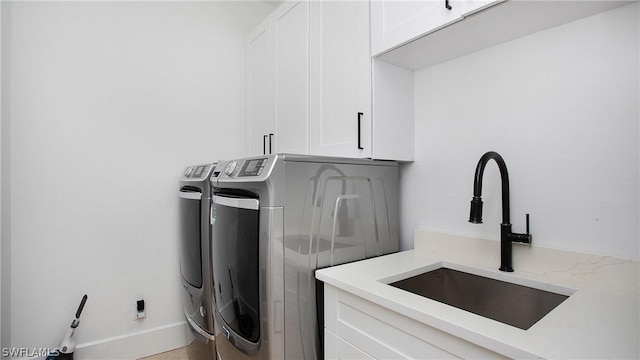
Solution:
(521, 238)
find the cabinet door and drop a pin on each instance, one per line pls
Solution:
(340, 79)
(396, 22)
(258, 107)
(291, 77)
(357, 324)
(337, 348)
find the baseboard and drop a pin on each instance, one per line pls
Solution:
(136, 345)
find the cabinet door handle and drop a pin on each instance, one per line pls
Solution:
(264, 144)
(270, 135)
(359, 131)
(447, 5)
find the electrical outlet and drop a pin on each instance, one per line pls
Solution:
(140, 311)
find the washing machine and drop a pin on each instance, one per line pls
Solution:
(275, 219)
(195, 252)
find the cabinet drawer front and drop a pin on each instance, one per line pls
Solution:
(385, 340)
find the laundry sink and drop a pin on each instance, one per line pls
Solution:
(510, 303)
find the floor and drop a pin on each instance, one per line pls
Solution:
(194, 351)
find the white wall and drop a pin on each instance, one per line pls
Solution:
(109, 102)
(561, 107)
(5, 245)
(1, 282)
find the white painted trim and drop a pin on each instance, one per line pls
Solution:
(136, 345)
(0, 169)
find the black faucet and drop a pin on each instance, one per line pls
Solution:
(475, 217)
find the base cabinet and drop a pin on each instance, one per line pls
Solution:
(357, 328)
(338, 348)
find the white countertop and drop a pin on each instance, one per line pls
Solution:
(601, 319)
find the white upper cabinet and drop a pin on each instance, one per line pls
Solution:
(468, 7)
(340, 106)
(310, 86)
(259, 122)
(290, 28)
(393, 120)
(418, 34)
(394, 23)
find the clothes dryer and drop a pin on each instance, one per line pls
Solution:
(275, 219)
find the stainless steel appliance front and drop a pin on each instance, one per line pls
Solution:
(195, 256)
(275, 220)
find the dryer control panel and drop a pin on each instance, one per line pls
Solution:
(196, 172)
(245, 168)
(250, 169)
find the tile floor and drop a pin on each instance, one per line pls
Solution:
(194, 351)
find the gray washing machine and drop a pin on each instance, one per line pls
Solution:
(275, 219)
(195, 253)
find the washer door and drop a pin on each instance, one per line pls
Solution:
(190, 239)
(234, 230)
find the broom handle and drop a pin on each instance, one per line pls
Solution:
(84, 300)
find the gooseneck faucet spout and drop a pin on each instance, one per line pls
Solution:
(475, 216)
(476, 204)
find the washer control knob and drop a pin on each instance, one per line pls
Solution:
(230, 167)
